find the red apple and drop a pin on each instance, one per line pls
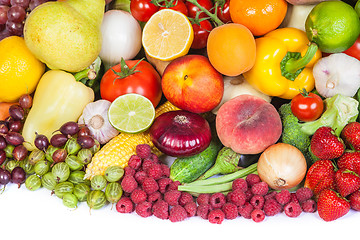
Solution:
(193, 84)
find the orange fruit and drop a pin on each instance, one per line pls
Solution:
(20, 70)
(167, 35)
(231, 49)
(260, 16)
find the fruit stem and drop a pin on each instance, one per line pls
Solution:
(206, 189)
(293, 65)
(89, 73)
(213, 16)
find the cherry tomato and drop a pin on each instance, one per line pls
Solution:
(179, 5)
(144, 80)
(223, 12)
(307, 107)
(192, 9)
(354, 50)
(142, 10)
(201, 34)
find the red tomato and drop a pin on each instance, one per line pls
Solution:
(192, 9)
(144, 80)
(178, 5)
(201, 34)
(354, 50)
(142, 10)
(223, 12)
(307, 107)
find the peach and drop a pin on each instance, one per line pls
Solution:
(248, 124)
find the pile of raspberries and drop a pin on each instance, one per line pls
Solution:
(148, 190)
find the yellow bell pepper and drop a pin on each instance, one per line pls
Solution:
(58, 98)
(284, 62)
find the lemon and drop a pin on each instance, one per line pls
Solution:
(167, 35)
(333, 25)
(131, 113)
(20, 70)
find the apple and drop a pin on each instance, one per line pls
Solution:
(191, 83)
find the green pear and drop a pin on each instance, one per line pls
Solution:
(66, 34)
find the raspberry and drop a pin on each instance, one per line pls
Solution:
(185, 198)
(177, 214)
(166, 170)
(129, 171)
(143, 150)
(154, 171)
(260, 188)
(230, 210)
(309, 206)
(245, 210)
(190, 208)
(149, 185)
(272, 207)
(144, 209)
(292, 209)
(138, 196)
(270, 195)
(294, 198)
(203, 210)
(125, 205)
(303, 194)
(154, 158)
(174, 185)
(257, 215)
(237, 197)
(240, 183)
(252, 178)
(172, 197)
(203, 198)
(283, 197)
(217, 200)
(155, 197)
(257, 201)
(161, 209)
(128, 184)
(147, 163)
(216, 216)
(135, 162)
(164, 184)
(140, 176)
(248, 195)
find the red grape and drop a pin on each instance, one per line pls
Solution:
(18, 176)
(15, 28)
(5, 2)
(2, 156)
(69, 128)
(25, 101)
(23, 3)
(15, 125)
(2, 143)
(16, 112)
(20, 152)
(16, 14)
(58, 140)
(3, 14)
(14, 138)
(85, 141)
(41, 142)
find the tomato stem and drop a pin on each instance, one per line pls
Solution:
(125, 70)
(213, 16)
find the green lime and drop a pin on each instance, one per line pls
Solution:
(333, 25)
(357, 8)
(131, 113)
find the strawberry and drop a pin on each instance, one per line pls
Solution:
(350, 160)
(325, 144)
(331, 205)
(346, 181)
(354, 199)
(320, 176)
(351, 135)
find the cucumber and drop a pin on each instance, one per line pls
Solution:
(188, 169)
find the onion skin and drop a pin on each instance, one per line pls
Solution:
(180, 133)
(282, 166)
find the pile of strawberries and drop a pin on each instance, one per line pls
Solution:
(335, 178)
(149, 191)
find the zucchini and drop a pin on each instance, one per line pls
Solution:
(188, 169)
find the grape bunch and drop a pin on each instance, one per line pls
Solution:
(13, 14)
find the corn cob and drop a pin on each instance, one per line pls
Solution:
(119, 149)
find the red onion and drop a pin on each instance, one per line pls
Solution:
(180, 133)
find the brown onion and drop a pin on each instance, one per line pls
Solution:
(282, 166)
(180, 133)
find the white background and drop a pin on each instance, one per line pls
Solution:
(38, 215)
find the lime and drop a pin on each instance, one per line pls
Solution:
(333, 25)
(131, 113)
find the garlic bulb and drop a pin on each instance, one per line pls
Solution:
(95, 117)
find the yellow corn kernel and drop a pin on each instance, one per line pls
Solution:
(118, 150)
